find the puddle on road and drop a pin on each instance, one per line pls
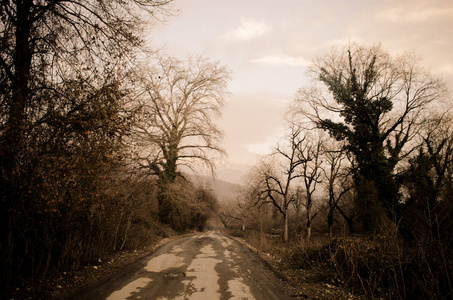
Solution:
(217, 271)
(201, 280)
(239, 290)
(129, 289)
(166, 261)
(205, 283)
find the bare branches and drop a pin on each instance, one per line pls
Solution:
(179, 101)
(297, 158)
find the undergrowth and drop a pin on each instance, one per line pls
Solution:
(375, 267)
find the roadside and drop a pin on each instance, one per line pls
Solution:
(63, 285)
(304, 283)
(67, 285)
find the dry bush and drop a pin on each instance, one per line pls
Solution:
(383, 267)
(187, 207)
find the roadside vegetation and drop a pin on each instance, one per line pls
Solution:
(93, 138)
(356, 198)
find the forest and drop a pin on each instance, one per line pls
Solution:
(98, 133)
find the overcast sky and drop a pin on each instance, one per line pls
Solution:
(269, 44)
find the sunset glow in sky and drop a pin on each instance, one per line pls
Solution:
(268, 45)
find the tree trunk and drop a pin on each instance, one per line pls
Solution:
(285, 228)
(115, 236)
(129, 221)
(330, 221)
(350, 225)
(11, 139)
(164, 206)
(308, 230)
(309, 218)
(349, 220)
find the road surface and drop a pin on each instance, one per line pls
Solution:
(202, 266)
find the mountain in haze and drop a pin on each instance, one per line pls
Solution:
(227, 182)
(234, 173)
(224, 190)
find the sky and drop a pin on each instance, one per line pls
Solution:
(268, 46)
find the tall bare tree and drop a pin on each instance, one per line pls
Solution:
(180, 102)
(277, 175)
(337, 175)
(39, 38)
(310, 160)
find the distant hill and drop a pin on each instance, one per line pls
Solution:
(231, 175)
(225, 191)
(231, 172)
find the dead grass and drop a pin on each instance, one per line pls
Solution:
(379, 267)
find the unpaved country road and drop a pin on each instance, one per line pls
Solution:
(202, 266)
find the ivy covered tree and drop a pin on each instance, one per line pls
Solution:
(374, 102)
(428, 183)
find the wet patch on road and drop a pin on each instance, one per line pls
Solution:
(203, 266)
(130, 289)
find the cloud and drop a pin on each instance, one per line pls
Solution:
(266, 146)
(282, 60)
(404, 15)
(248, 30)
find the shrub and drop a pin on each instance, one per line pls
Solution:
(381, 267)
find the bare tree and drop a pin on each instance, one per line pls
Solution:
(276, 181)
(337, 176)
(180, 101)
(41, 38)
(309, 154)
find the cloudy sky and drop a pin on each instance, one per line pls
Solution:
(268, 46)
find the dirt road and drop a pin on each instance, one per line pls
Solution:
(202, 266)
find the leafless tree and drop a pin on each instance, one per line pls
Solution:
(180, 102)
(337, 174)
(310, 160)
(277, 175)
(42, 38)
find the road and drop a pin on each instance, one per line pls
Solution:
(201, 266)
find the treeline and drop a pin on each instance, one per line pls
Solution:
(368, 153)
(87, 166)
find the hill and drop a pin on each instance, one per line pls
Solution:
(225, 191)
